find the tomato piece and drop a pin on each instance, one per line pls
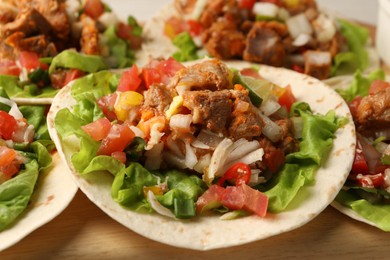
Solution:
(98, 129)
(174, 26)
(8, 125)
(94, 8)
(29, 60)
(211, 198)
(274, 159)
(359, 163)
(247, 4)
(130, 80)
(9, 68)
(233, 198)
(255, 201)
(239, 173)
(287, 98)
(251, 72)
(354, 104)
(7, 155)
(195, 28)
(377, 86)
(124, 31)
(150, 76)
(107, 104)
(118, 138)
(120, 156)
(370, 181)
(9, 170)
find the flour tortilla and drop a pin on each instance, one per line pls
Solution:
(209, 232)
(54, 191)
(157, 45)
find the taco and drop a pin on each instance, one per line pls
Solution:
(366, 194)
(34, 188)
(170, 151)
(292, 34)
(46, 44)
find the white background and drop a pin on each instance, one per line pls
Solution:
(361, 10)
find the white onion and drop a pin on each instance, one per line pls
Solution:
(209, 138)
(14, 111)
(218, 160)
(302, 40)
(242, 147)
(29, 134)
(198, 144)
(254, 156)
(387, 179)
(174, 147)
(324, 28)
(157, 206)
(269, 106)
(266, 9)
(153, 156)
(299, 24)
(255, 178)
(270, 128)
(190, 159)
(155, 135)
(200, 5)
(138, 132)
(203, 162)
(108, 19)
(174, 160)
(180, 121)
(297, 123)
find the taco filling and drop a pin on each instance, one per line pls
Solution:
(46, 44)
(24, 152)
(292, 34)
(367, 190)
(182, 141)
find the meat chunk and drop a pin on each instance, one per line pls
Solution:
(38, 44)
(318, 64)
(264, 44)
(273, 157)
(89, 41)
(374, 110)
(223, 41)
(210, 109)
(158, 98)
(210, 74)
(227, 112)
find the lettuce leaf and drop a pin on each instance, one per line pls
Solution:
(187, 48)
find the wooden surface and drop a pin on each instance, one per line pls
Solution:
(82, 231)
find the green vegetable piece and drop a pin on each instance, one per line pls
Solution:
(137, 29)
(184, 208)
(187, 47)
(135, 150)
(31, 89)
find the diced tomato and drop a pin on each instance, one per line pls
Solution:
(174, 26)
(287, 98)
(233, 198)
(211, 198)
(255, 201)
(124, 31)
(120, 156)
(9, 68)
(370, 181)
(239, 173)
(98, 129)
(130, 80)
(73, 74)
(274, 159)
(377, 86)
(160, 71)
(8, 125)
(94, 8)
(107, 104)
(359, 163)
(150, 76)
(251, 72)
(297, 68)
(118, 138)
(354, 104)
(61, 78)
(9, 170)
(195, 28)
(247, 4)
(29, 60)
(7, 155)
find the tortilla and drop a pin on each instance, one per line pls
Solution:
(54, 191)
(210, 232)
(157, 44)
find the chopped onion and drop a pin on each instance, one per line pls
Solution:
(324, 28)
(254, 156)
(198, 144)
(138, 132)
(387, 179)
(269, 106)
(190, 159)
(202, 163)
(302, 40)
(242, 147)
(209, 138)
(218, 160)
(200, 5)
(155, 135)
(174, 147)
(180, 121)
(174, 160)
(14, 111)
(108, 19)
(299, 24)
(266, 9)
(255, 177)
(270, 128)
(297, 123)
(153, 156)
(29, 134)
(160, 209)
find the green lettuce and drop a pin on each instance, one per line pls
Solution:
(187, 48)
(121, 56)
